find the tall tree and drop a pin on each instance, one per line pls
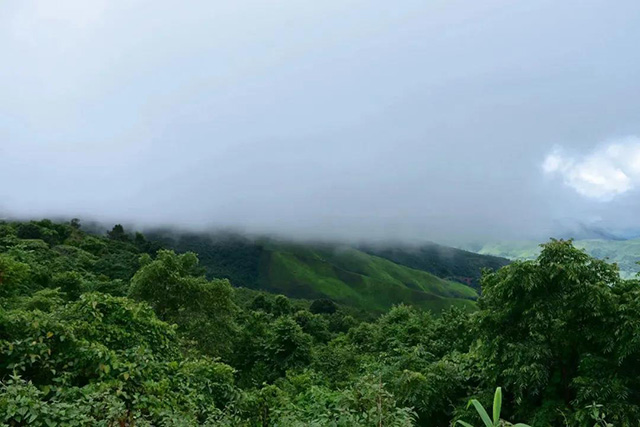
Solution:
(549, 331)
(177, 290)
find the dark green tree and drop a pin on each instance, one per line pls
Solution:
(323, 306)
(69, 282)
(286, 346)
(555, 332)
(175, 288)
(281, 305)
(118, 233)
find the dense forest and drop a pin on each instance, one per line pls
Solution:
(120, 330)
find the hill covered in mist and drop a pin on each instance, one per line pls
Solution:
(369, 277)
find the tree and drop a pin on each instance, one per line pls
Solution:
(118, 233)
(323, 306)
(281, 305)
(313, 324)
(260, 302)
(69, 282)
(556, 333)
(286, 346)
(29, 230)
(15, 276)
(178, 293)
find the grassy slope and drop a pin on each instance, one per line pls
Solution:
(442, 261)
(624, 252)
(307, 271)
(355, 278)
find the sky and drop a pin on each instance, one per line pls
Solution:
(415, 120)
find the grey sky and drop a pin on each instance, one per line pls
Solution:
(408, 119)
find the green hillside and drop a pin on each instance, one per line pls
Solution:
(355, 278)
(625, 253)
(442, 261)
(343, 274)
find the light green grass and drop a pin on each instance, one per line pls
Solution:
(355, 278)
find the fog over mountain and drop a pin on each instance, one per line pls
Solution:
(413, 120)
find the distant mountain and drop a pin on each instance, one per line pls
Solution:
(626, 253)
(369, 278)
(513, 250)
(571, 228)
(583, 231)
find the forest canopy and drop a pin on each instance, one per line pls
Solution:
(117, 330)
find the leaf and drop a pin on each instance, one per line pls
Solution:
(465, 424)
(49, 334)
(497, 405)
(482, 412)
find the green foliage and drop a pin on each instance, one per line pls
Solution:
(101, 358)
(281, 305)
(118, 233)
(203, 309)
(224, 256)
(323, 305)
(365, 403)
(15, 277)
(286, 346)
(92, 245)
(560, 327)
(484, 416)
(104, 331)
(69, 282)
(313, 324)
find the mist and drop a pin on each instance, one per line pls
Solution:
(447, 121)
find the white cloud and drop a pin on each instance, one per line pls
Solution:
(606, 172)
